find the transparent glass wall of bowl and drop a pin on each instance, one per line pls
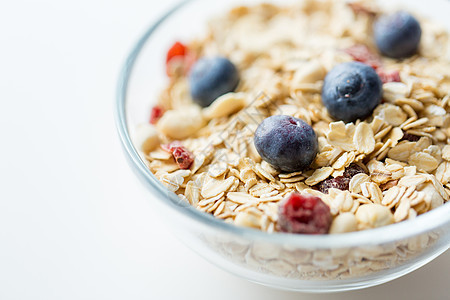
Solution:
(306, 268)
(274, 260)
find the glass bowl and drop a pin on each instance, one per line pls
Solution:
(308, 263)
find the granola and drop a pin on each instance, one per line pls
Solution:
(402, 145)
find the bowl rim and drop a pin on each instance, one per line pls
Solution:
(429, 221)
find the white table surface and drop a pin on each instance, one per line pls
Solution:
(73, 224)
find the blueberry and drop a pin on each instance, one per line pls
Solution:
(351, 91)
(397, 35)
(212, 77)
(287, 143)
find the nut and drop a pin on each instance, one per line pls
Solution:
(225, 105)
(181, 123)
(146, 137)
(373, 216)
(345, 222)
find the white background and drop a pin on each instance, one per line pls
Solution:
(73, 223)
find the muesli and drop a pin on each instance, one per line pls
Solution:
(319, 117)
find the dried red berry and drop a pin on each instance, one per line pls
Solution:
(155, 114)
(388, 76)
(177, 49)
(304, 214)
(179, 60)
(183, 157)
(362, 54)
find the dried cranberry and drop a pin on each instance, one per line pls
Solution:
(183, 157)
(177, 49)
(179, 60)
(410, 137)
(155, 114)
(340, 182)
(362, 54)
(304, 214)
(388, 76)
